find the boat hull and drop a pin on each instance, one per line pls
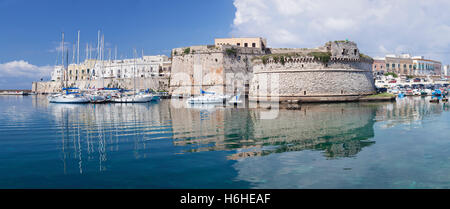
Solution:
(67, 100)
(133, 99)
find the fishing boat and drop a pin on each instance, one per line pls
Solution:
(437, 92)
(409, 92)
(425, 92)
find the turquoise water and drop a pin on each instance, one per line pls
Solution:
(405, 144)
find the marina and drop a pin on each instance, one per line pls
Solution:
(162, 144)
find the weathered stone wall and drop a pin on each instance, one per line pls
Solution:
(309, 80)
(334, 72)
(220, 69)
(156, 83)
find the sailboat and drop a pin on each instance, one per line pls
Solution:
(68, 95)
(134, 97)
(96, 96)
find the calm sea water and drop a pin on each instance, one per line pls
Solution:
(405, 144)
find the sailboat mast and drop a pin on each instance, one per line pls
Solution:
(63, 70)
(102, 51)
(134, 71)
(67, 61)
(87, 51)
(73, 54)
(78, 48)
(115, 53)
(98, 45)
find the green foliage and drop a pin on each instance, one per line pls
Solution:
(265, 59)
(382, 95)
(231, 52)
(187, 50)
(361, 55)
(322, 56)
(391, 73)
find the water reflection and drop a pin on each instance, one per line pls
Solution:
(95, 133)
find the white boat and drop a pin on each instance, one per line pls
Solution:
(68, 95)
(136, 98)
(206, 99)
(96, 98)
(68, 98)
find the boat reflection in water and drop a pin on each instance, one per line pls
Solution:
(304, 147)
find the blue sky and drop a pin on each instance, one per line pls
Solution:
(31, 30)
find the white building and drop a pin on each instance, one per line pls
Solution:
(57, 73)
(146, 67)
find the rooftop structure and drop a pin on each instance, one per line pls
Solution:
(242, 42)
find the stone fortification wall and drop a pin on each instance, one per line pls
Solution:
(220, 69)
(157, 83)
(340, 73)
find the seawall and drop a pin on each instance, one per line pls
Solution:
(156, 83)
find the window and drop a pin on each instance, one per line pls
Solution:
(239, 44)
(253, 44)
(245, 44)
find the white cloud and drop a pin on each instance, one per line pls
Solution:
(19, 74)
(23, 69)
(378, 26)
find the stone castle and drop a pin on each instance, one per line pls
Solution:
(336, 71)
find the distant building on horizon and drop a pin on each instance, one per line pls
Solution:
(407, 65)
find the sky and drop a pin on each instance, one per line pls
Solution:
(30, 32)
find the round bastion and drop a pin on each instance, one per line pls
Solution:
(334, 72)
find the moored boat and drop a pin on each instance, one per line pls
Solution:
(68, 98)
(133, 98)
